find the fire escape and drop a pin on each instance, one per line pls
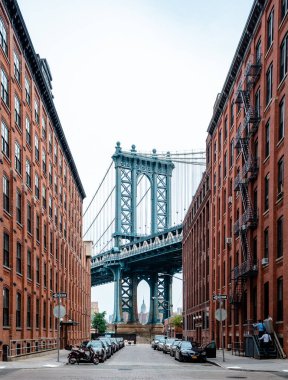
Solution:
(249, 219)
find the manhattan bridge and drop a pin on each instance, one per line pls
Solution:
(134, 222)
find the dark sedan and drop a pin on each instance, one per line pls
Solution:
(186, 351)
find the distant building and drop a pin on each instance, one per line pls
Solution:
(143, 315)
(94, 308)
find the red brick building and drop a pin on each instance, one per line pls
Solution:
(248, 159)
(41, 219)
(196, 274)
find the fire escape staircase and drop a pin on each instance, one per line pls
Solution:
(249, 219)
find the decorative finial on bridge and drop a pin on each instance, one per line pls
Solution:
(118, 147)
(133, 149)
(168, 155)
(154, 154)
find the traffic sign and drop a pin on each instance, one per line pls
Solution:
(59, 311)
(60, 295)
(220, 314)
(219, 297)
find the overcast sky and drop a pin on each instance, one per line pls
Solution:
(143, 72)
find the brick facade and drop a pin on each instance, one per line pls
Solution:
(246, 153)
(41, 220)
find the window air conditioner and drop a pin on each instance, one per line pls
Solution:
(265, 261)
(230, 198)
(228, 240)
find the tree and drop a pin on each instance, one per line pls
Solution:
(177, 321)
(99, 322)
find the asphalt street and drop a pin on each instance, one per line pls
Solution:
(137, 362)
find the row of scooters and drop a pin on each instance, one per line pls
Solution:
(95, 351)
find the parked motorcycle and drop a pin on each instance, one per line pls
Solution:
(84, 355)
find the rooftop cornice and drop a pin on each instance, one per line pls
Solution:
(245, 40)
(33, 61)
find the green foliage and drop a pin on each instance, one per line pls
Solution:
(99, 322)
(177, 321)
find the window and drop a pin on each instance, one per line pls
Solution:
(258, 51)
(45, 275)
(5, 138)
(37, 186)
(220, 141)
(18, 207)
(29, 308)
(270, 29)
(38, 270)
(266, 243)
(266, 193)
(28, 131)
(232, 114)
(44, 314)
(18, 157)
(45, 235)
(44, 129)
(6, 250)
(266, 299)
(283, 57)
(3, 37)
(36, 142)
(257, 102)
(51, 242)
(16, 67)
(28, 173)
(36, 111)
(225, 128)
(284, 8)
(50, 206)
(55, 152)
(280, 299)
(44, 196)
(269, 84)
(56, 215)
(55, 184)
(267, 139)
(50, 142)
(6, 198)
(50, 174)
(4, 88)
(231, 153)
(280, 176)
(281, 119)
(27, 91)
(17, 108)
(37, 319)
(44, 161)
(29, 265)
(19, 258)
(6, 300)
(280, 237)
(29, 218)
(37, 227)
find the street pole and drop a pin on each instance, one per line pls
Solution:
(221, 330)
(58, 332)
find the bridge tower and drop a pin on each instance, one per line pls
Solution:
(129, 166)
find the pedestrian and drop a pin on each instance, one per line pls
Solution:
(266, 339)
(260, 327)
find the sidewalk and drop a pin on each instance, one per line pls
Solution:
(47, 360)
(242, 363)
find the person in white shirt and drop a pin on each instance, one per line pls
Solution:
(266, 339)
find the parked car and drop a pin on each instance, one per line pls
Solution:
(108, 348)
(173, 347)
(114, 341)
(167, 345)
(108, 341)
(160, 344)
(155, 341)
(99, 348)
(120, 342)
(189, 352)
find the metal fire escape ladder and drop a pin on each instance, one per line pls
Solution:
(249, 173)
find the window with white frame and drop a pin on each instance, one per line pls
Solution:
(50, 174)
(29, 218)
(36, 111)
(28, 173)
(4, 88)
(6, 194)
(27, 90)
(283, 57)
(3, 37)
(5, 139)
(44, 196)
(284, 8)
(19, 207)
(50, 206)
(17, 67)
(18, 309)
(270, 29)
(17, 108)
(28, 131)
(18, 162)
(19, 258)
(36, 142)
(44, 167)
(269, 84)
(44, 129)
(37, 192)
(6, 301)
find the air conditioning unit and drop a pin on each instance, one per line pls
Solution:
(265, 261)
(228, 240)
(230, 199)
